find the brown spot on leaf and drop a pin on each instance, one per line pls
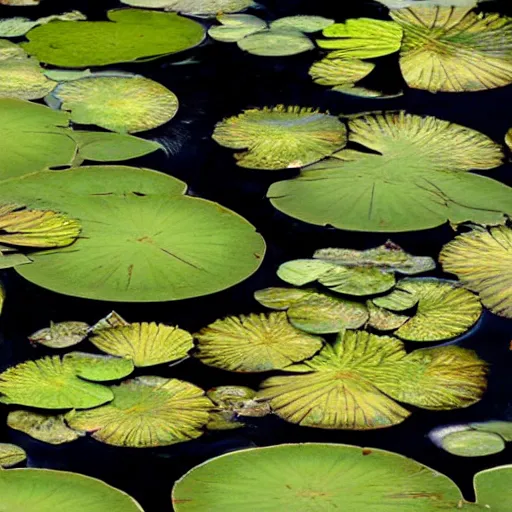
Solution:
(367, 451)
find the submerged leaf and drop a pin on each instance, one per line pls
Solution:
(276, 42)
(118, 103)
(482, 260)
(254, 343)
(281, 137)
(147, 412)
(235, 27)
(61, 335)
(414, 178)
(11, 455)
(454, 49)
(146, 344)
(47, 428)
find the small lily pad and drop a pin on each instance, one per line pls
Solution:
(193, 7)
(147, 412)
(397, 300)
(254, 343)
(363, 92)
(98, 368)
(384, 320)
(358, 281)
(302, 23)
(235, 27)
(472, 443)
(146, 344)
(281, 137)
(492, 488)
(118, 103)
(47, 428)
(11, 455)
(276, 42)
(340, 72)
(61, 334)
(18, 26)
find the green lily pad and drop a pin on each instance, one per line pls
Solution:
(397, 300)
(130, 35)
(61, 334)
(315, 477)
(472, 443)
(492, 488)
(340, 72)
(280, 137)
(47, 428)
(302, 23)
(43, 490)
(235, 27)
(254, 343)
(362, 38)
(508, 139)
(382, 319)
(445, 310)
(65, 75)
(11, 455)
(147, 412)
(193, 7)
(281, 298)
(276, 42)
(482, 260)
(98, 368)
(50, 383)
(19, 26)
(501, 428)
(414, 178)
(118, 103)
(23, 79)
(13, 259)
(142, 239)
(146, 344)
(454, 50)
(354, 384)
(301, 272)
(357, 281)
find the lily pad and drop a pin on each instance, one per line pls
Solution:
(492, 488)
(61, 334)
(281, 298)
(340, 72)
(113, 319)
(472, 443)
(130, 35)
(19, 26)
(357, 281)
(147, 412)
(142, 239)
(363, 92)
(501, 428)
(11, 455)
(276, 42)
(317, 477)
(43, 490)
(401, 4)
(413, 179)
(50, 383)
(65, 75)
(397, 300)
(302, 23)
(146, 344)
(382, 319)
(445, 310)
(235, 27)
(280, 137)
(354, 384)
(98, 368)
(482, 260)
(454, 49)
(254, 343)
(193, 7)
(362, 38)
(23, 79)
(47, 428)
(118, 103)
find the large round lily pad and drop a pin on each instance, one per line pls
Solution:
(314, 477)
(147, 412)
(118, 103)
(281, 137)
(254, 343)
(482, 260)
(142, 240)
(414, 178)
(131, 34)
(354, 384)
(454, 49)
(43, 490)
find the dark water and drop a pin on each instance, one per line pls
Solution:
(222, 83)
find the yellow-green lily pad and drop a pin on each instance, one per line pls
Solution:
(340, 72)
(472, 443)
(302, 23)
(276, 42)
(18, 26)
(193, 7)
(235, 27)
(11, 455)
(384, 320)
(61, 334)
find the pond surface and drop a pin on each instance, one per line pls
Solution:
(212, 82)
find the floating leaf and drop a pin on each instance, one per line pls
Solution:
(454, 49)
(13, 259)
(302, 23)
(276, 42)
(413, 179)
(117, 103)
(47, 428)
(10, 50)
(235, 27)
(492, 488)
(11, 455)
(444, 310)
(147, 344)
(400, 4)
(61, 335)
(363, 92)
(384, 320)
(353, 384)
(43, 490)
(501, 428)
(357, 281)
(98, 368)
(18, 26)
(131, 34)
(254, 343)
(50, 383)
(482, 260)
(315, 476)
(23, 79)
(142, 239)
(193, 7)
(340, 72)
(113, 319)
(281, 298)
(147, 412)
(472, 443)
(362, 38)
(300, 272)
(280, 137)
(65, 75)
(397, 300)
